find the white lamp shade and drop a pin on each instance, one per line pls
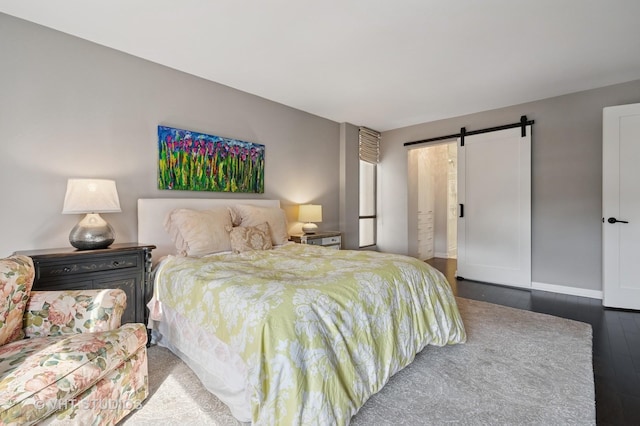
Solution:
(310, 213)
(91, 196)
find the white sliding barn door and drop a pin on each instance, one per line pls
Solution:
(621, 206)
(494, 223)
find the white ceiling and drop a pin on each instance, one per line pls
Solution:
(381, 64)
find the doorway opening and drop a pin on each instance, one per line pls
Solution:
(433, 201)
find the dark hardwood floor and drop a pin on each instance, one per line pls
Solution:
(616, 339)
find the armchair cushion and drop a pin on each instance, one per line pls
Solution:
(37, 376)
(16, 279)
(55, 313)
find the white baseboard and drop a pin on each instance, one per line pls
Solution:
(441, 255)
(574, 291)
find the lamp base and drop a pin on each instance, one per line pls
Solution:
(309, 228)
(92, 232)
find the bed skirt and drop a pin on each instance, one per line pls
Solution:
(222, 372)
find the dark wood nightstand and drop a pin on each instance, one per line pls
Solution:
(126, 266)
(331, 239)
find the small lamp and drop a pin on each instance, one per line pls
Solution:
(91, 196)
(309, 213)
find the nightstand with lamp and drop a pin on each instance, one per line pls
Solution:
(95, 262)
(310, 214)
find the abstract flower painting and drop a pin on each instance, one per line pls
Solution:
(195, 161)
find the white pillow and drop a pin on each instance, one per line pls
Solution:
(199, 232)
(235, 216)
(276, 218)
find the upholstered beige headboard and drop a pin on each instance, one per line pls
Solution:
(152, 212)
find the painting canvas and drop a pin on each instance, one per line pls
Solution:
(199, 162)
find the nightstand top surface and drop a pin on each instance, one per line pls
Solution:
(320, 234)
(64, 251)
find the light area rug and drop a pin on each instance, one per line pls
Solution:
(517, 367)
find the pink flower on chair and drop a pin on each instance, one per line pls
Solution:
(92, 346)
(42, 385)
(106, 390)
(62, 311)
(6, 288)
(84, 378)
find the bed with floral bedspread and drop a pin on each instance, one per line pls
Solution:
(312, 332)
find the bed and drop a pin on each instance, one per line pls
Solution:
(292, 333)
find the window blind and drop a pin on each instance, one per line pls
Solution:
(369, 145)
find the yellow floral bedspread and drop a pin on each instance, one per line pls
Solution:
(320, 330)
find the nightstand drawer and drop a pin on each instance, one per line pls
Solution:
(325, 239)
(57, 285)
(111, 263)
(328, 241)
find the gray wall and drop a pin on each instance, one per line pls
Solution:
(566, 180)
(71, 108)
(349, 185)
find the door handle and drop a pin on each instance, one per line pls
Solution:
(614, 220)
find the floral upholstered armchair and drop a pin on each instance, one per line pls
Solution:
(64, 358)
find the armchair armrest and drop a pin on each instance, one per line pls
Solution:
(53, 313)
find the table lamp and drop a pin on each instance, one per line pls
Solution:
(91, 196)
(310, 213)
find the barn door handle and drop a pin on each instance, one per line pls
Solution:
(614, 220)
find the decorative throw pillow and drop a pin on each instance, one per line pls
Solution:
(246, 238)
(199, 232)
(276, 218)
(16, 279)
